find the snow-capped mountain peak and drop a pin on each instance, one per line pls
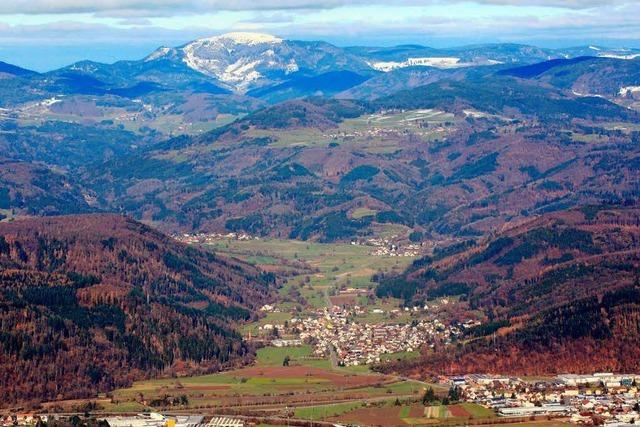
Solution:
(158, 53)
(246, 61)
(245, 38)
(238, 59)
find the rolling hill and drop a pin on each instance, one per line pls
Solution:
(451, 158)
(33, 189)
(9, 70)
(560, 293)
(93, 302)
(506, 96)
(586, 76)
(446, 150)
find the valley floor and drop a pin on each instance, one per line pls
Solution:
(311, 386)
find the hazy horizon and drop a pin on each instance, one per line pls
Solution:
(48, 58)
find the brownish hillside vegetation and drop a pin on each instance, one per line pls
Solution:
(559, 293)
(92, 302)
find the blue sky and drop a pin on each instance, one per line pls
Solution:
(45, 34)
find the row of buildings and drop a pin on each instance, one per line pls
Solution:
(208, 238)
(147, 419)
(154, 419)
(595, 399)
(390, 247)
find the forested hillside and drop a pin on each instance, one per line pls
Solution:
(454, 158)
(558, 293)
(92, 302)
(446, 152)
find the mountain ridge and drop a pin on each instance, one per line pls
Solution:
(560, 293)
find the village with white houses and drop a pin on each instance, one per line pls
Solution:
(208, 238)
(391, 246)
(363, 343)
(332, 331)
(597, 399)
(146, 419)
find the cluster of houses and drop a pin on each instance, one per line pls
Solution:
(302, 327)
(286, 343)
(369, 132)
(432, 306)
(598, 399)
(204, 238)
(154, 419)
(147, 419)
(385, 125)
(363, 343)
(22, 420)
(270, 308)
(389, 247)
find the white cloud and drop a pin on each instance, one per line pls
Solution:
(155, 22)
(177, 7)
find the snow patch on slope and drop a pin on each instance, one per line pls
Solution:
(616, 56)
(158, 53)
(624, 91)
(235, 58)
(250, 39)
(436, 62)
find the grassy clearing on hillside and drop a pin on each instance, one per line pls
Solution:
(362, 212)
(381, 133)
(403, 355)
(274, 356)
(7, 215)
(305, 137)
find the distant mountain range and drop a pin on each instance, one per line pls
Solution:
(586, 76)
(245, 62)
(252, 132)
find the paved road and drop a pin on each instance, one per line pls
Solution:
(327, 298)
(334, 357)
